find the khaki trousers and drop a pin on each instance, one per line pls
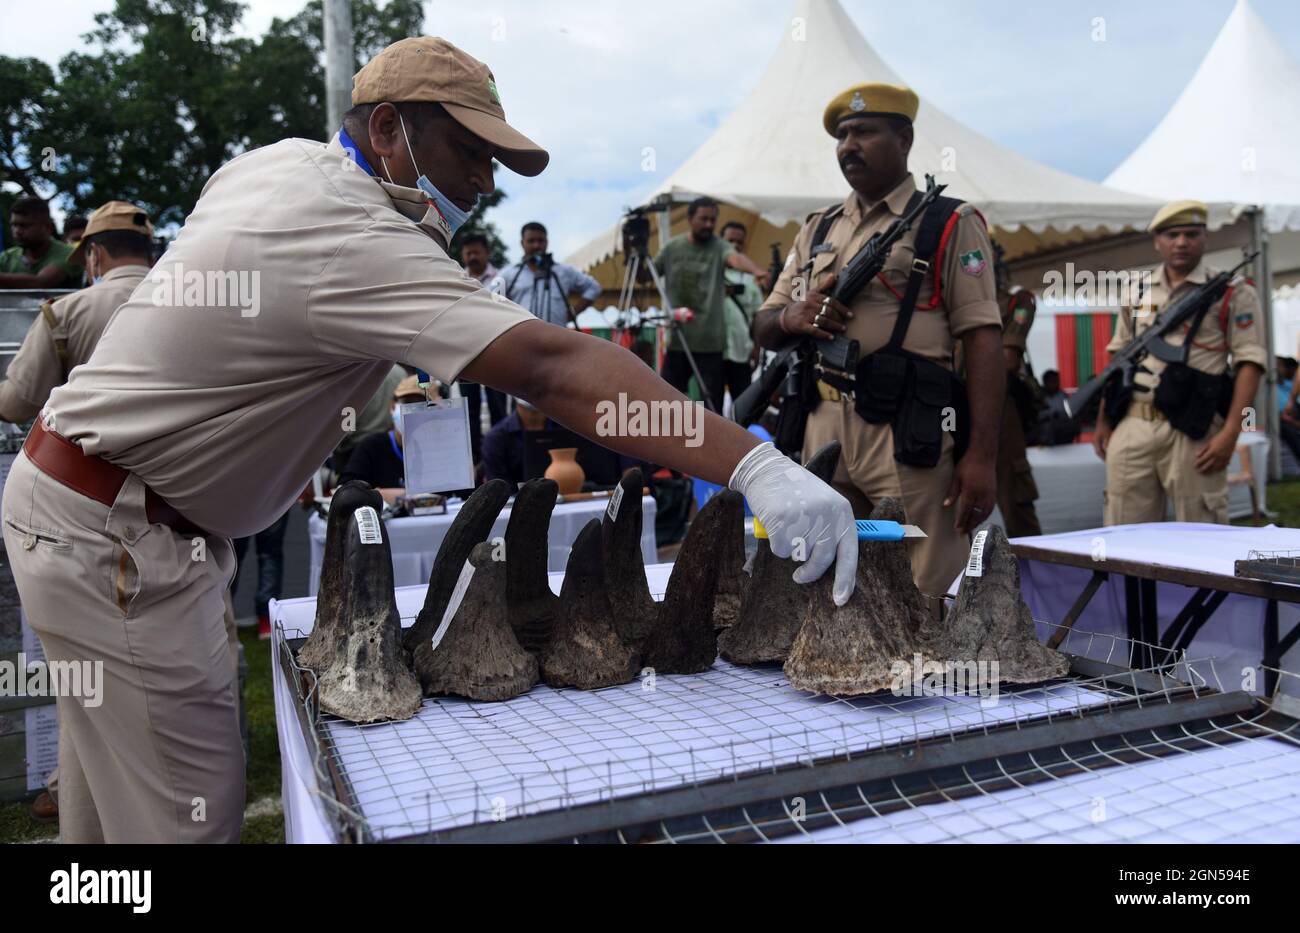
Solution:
(1149, 463)
(868, 472)
(159, 759)
(1017, 490)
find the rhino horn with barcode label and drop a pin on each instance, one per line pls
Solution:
(990, 621)
(478, 656)
(368, 680)
(851, 649)
(772, 605)
(634, 609)
(472, 524)
(318, 650)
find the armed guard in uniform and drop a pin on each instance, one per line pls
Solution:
(1172, 436)
(115, 249)
(908, 426)
(1017, 490)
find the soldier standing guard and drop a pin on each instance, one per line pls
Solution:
(899, 415)
(1017, 490)
(1149, 461)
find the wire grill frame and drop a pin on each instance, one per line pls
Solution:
(337, 781)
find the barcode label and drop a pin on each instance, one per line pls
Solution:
(368, 525)
(975, 566)
(615, 501)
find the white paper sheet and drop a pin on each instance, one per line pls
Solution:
(436, 447)
(42, 726)
(1245, 792)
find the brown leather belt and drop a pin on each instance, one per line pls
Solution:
(96, 478)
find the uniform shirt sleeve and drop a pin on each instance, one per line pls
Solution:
(35, 371)
(1245, 330)
(1020, 319)
(782, 293)
(391, 293)
(969, 287)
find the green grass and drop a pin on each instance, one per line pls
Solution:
(263, 774)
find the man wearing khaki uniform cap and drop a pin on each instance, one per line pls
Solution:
(955, 302)
(116, 251)
(1148, 461)
(170, 440)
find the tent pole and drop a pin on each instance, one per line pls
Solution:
(1264, 271)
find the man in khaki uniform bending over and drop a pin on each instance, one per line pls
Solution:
(304, 272)
(953, 301)
(1148, 461)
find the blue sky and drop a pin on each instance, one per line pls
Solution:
(597, 81)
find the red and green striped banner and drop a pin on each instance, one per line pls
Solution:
(1081, 346)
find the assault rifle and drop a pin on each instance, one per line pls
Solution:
(1124, 364)
(839, 352)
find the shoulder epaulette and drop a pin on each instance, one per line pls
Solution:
(60, 343)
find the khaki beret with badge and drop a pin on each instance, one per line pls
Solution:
(1179, 214)
(871, 100)
(115, 215)
(432, 70)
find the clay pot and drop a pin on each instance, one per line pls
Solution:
(565, 471)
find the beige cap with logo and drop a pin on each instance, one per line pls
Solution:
(115, 215)
(433, 70)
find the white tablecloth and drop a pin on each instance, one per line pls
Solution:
(305, 818)
(1234, 634)
(415, 541)
(1071, 478)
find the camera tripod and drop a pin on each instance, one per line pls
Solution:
(637, 258)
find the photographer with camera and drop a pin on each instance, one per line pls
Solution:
(542, 285)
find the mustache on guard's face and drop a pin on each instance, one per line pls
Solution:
(852, 161)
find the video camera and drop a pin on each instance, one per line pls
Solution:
(636, 228)
(543, 261)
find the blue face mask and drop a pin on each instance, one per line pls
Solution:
(452, 216)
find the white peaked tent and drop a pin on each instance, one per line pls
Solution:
(772, 157)
(1234, 132)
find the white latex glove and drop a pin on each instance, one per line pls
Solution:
(798, 510)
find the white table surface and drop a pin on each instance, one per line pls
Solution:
(1233, 636)
(415, 540)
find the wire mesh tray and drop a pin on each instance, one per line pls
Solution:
(566, 763)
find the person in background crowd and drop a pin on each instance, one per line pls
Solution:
(1289, 420)
(1054, 424)
(544, 286)
(115, 251)
(475, 257)
(693, 267)
(73, 229)
(503, 447)
(269, 545)
(37, 259)
(378, 459)
(1149, 462)
(374, 418)
(744, 298)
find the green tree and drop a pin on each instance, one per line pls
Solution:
(165, 93)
